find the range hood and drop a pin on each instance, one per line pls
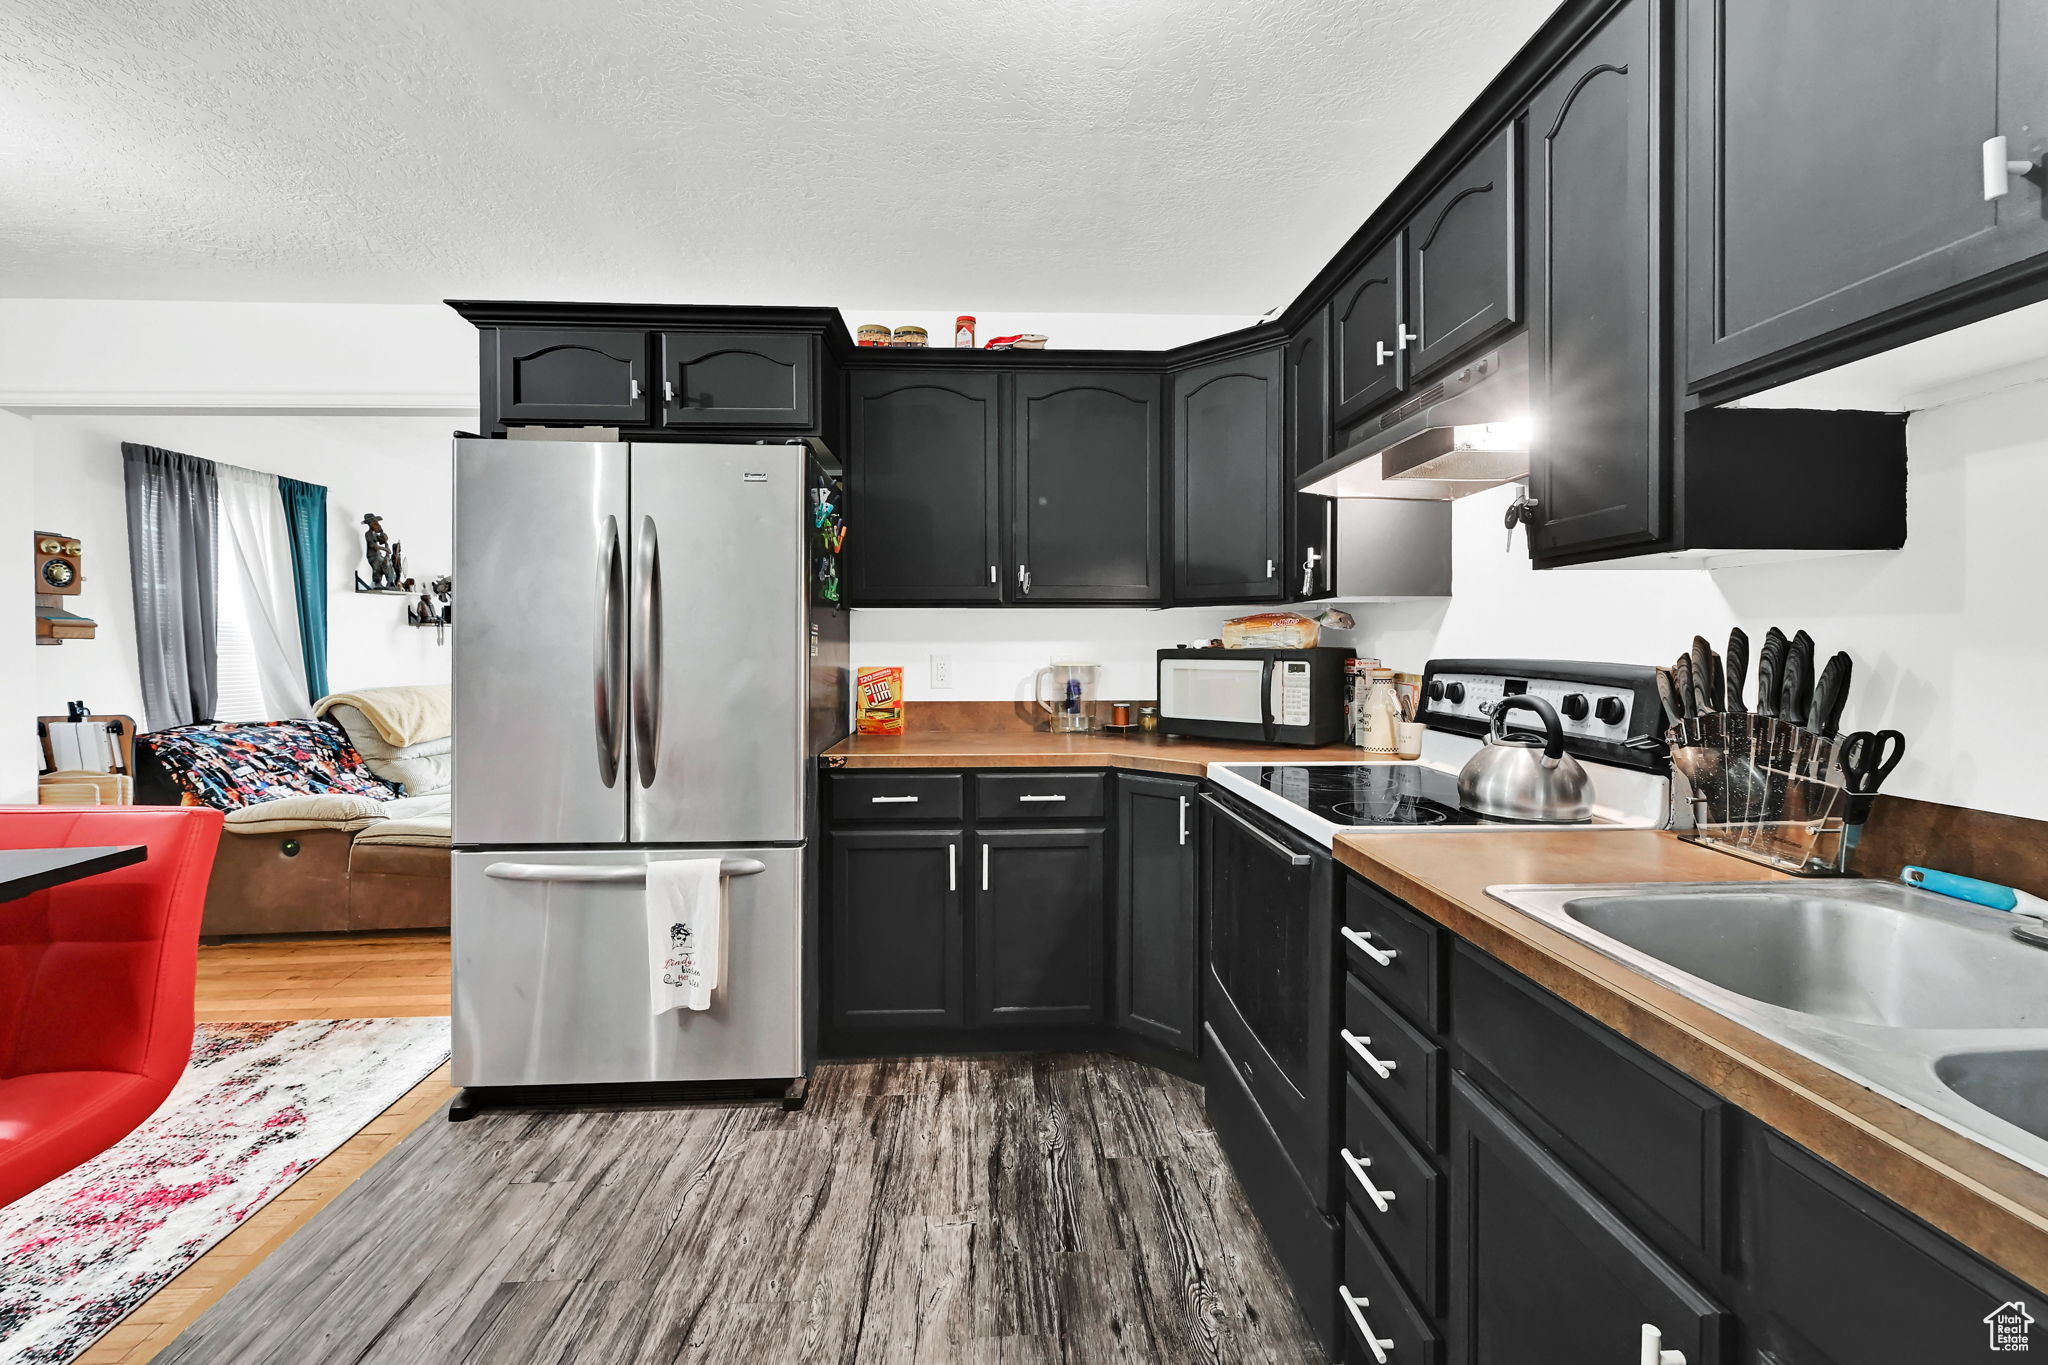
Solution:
(1466, 432)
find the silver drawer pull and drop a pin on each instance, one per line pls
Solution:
(891, 800)
(1041, 798)
(1381, 1347)
(615, 873)
(1384, 956)
(1384, 1070)
(1357, 1164)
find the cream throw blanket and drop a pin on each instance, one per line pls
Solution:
(402, 715)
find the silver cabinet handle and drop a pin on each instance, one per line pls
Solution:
(632, 390)
(1024, 579)
(991, 574)
(1357, 1164)
(1384, 956)
(668, 391)
(2000, 166)
(608, 677)
(1269, 568)
(1402, 336)
(647, 668)
(890, 800)
(952, 867)
(984, 867)
(1183, 821)
(1308, 570)
(1380, 354)
(1384, 1070)
(618, 876)
(1293, 858)
(1378, 1345)
(1653, 1349)
(1041, 798)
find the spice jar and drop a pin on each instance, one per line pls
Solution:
(1148, 719)
(963, 331)
(912, 336)
(1120, 713)
(871, 334)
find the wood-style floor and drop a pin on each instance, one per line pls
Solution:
(357, 978)
(1071, 1208)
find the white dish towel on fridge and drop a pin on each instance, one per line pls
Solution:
(685, 932)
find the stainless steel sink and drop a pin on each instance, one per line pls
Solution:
(1924, 999)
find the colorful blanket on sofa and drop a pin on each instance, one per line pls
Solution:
(238, 764)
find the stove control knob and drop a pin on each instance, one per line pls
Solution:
(1574, 707)
(1610, 711)
(1455, 692)
(1436, 690)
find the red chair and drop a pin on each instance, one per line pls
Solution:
(96, 980)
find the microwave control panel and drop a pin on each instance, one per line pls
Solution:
(1292, 682)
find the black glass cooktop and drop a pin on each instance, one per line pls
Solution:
(1366, 793)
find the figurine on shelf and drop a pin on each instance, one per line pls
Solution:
(436, 605)
(387, 558)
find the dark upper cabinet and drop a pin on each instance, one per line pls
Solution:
(1791, 233)
(1599, 460)
(1541, 1269)
(895, 924)
(1038, 927)
(555, 376)
(1230, 491)
(1156, 928)
(763, 380)
(1369, 334)
(1314, 519)
(1085, 488)
(1464, 284)
(923, 461)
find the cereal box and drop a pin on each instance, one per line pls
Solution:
(881, 702)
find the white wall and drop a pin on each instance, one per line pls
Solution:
(1949, 635)
(395, 466)
(20, 754)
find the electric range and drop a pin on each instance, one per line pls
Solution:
(1611, 720)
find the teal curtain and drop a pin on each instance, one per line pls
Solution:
(305, 516)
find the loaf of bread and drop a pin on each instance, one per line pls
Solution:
(1271, 630)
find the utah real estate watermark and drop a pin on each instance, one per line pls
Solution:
(2009, 1324)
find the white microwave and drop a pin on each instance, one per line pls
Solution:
(1270, 696)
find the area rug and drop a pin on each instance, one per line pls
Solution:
(259, 1105)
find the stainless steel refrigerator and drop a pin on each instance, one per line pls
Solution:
(644, 669)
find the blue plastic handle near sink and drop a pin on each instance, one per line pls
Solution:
(1961, 888)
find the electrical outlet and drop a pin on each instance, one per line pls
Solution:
(942, 671)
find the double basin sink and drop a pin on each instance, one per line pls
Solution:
(1925, 999)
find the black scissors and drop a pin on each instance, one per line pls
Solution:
(1868, 758)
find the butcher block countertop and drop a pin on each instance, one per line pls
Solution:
(1985, 1201)
(1020, 748)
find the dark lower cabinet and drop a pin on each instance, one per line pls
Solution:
(1542, 1270)
(1228, 467)
(895, 930)
(1086, 482)
(1463, 258)
(1788, 239)
(759, 380)
(1157, 948)
(1599, 459)
(923, 487)
(563, 376)
(1038, 927)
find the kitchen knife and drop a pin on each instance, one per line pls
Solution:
(1681, 678)
(1768, 662)
(1703, 671)
(1795, 683)
(1830, 695)
(1738, 667)
(1667, 692)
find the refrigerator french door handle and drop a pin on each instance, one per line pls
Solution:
(620, 876)
(611, 642)
(647, 665)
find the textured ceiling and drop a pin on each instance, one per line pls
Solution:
(1171, 156)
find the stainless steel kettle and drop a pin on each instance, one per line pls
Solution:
(1526, 777)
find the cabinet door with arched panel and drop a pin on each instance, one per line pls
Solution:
(598, 377)
(1369, 335)
(762, 380)
(1464, 281)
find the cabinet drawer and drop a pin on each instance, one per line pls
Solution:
(1395, 950)
(923, 798)
(1396, 1064)
(1647, 1138)
(1396, 1192)
(1048, 798)
(1369, 1301)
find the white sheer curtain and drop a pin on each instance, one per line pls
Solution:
(262, 667)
